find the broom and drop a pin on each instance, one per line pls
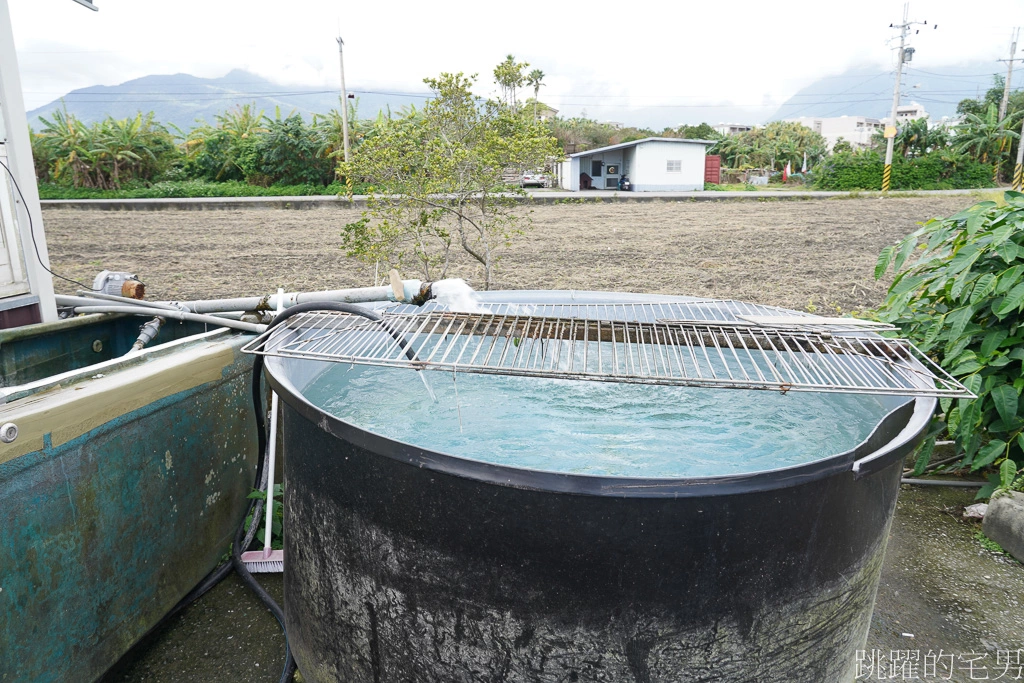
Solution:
(268, 561)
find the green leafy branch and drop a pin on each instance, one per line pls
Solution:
(958, 293)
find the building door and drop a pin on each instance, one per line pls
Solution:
(612, 172)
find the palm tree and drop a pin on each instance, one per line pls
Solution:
(533, 79)
(985, 136)
(66, 139)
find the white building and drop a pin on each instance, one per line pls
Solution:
(857, 130)
(908, 112)
(733, 128)
(651, 164)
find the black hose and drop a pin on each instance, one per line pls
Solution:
(261, 436)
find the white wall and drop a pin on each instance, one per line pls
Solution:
(650, 174)
(857, 130)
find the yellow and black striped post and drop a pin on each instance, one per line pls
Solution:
(1018, 177)
(886, 174)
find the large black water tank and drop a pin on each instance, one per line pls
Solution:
(405, 564)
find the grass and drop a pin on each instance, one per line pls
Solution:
(194, 188)
(988, 544)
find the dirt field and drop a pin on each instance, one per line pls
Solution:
(789, 253)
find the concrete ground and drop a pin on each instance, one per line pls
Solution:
(947, 609)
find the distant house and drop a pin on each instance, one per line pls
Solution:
(544, 112)
(857, 130)
(651, 164)
(733, 128)
(908, 112)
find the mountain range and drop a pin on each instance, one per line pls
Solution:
(184, 100)
(867, 91)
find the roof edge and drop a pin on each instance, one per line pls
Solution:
(633, 143)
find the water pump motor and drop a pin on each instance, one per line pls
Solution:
(118, 283)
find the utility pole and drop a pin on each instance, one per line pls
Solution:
(904, 55)
(344, 97)
(1009, 73)
(1018, 170)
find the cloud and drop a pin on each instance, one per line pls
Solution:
(659, 54)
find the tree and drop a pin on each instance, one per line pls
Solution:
(289, 153)
(914, 138)
(533, 79)
(702, 131)
(772, 146)
(1015, 106)
(986, 137)
(842, 145)
(105, 154)
(226, 151)
(438, 180)
(510, 76)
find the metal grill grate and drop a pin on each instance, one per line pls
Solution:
(710, 310)
(707, 353)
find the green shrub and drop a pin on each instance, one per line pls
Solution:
(940, 170)
(850, 171)
(195, 188)
(959, 295)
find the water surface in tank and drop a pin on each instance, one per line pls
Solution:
(598, 428)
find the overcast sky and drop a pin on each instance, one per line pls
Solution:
(678, 56)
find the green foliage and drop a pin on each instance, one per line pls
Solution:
(988, 544)
(862, 170)
(958, 294)
(842, 146)
(978, 110)
(195, 188)
(580, 133)
(276, 519)
(987, 137)
(772, 146)
(289, 153)
(702, 131)
(226, 151)
(438, 177)
(914, 138)
(510, 76)
(103, 155)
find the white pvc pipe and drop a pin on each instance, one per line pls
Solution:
(174, 315)
(356, 295)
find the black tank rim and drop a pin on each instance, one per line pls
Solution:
(893, 438)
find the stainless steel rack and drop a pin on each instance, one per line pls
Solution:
(646, 349)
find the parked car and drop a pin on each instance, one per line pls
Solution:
(534, 178)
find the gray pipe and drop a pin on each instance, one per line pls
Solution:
(174, 315)
(124, 300)
(80, 301)
(943, 482)
(352, 296)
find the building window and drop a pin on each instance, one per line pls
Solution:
(674, 166)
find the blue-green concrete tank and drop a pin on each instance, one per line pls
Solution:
(123, 488)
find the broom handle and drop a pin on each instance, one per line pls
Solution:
(272, 447)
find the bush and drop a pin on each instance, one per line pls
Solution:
(960, 300)
(940, 170)
(195, 188)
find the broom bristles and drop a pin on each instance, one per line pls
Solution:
(259, 563)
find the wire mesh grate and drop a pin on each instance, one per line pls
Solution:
(698, 353)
